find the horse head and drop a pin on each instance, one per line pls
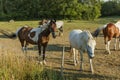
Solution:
(52, 27)
(90, 45)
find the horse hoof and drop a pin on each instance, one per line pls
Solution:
(44, 62)
(107, 52)
(92, 72)
(75, 64)
(41, 63)
(81, 70)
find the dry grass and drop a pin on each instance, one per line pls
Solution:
(15, 65)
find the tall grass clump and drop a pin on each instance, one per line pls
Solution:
(16, 66)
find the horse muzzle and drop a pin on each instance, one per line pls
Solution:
(53, 35)
(91, 55)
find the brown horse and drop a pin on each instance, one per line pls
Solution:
(37, 36)
(109, 31)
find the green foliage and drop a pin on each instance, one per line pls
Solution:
(38, 9)
(110, 8)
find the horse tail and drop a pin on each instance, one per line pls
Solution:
(97, 31)
(8, 34)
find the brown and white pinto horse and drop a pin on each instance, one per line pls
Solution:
(37, 36)
(110, 31)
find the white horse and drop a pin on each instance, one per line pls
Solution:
(83, 42)
(59, 25)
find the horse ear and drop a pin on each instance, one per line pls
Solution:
(54, 20)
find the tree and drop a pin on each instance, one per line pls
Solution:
(110, 8)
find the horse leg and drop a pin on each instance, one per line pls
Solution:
(39, 49)
(91, 66)
(26, 44)
(115, 44)
(108, 44)
(81, 63)
(119, 43)
(74, 56)
(44, 49)
(22, 44)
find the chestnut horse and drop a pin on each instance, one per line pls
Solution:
(110, 31)
(37, 36)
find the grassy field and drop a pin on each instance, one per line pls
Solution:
(16, 65)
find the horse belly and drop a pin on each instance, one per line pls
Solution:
(74, 41)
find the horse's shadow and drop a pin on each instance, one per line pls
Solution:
(53, 47)
(57, 47)
(68, 74)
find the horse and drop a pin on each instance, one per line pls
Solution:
(59, 25)
(110, 31)
(37, 36)
(84, 42)
(42, 22)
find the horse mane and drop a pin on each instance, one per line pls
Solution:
(89, 34)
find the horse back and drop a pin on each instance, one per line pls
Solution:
(74, 38)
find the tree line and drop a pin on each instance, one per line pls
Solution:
(59, 9)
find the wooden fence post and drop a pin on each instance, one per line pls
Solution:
(62, 63)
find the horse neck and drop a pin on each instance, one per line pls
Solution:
(87, 35)
(46, 32)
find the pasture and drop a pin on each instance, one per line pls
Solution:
(16, 65)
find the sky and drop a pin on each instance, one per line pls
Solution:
(105, 0)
